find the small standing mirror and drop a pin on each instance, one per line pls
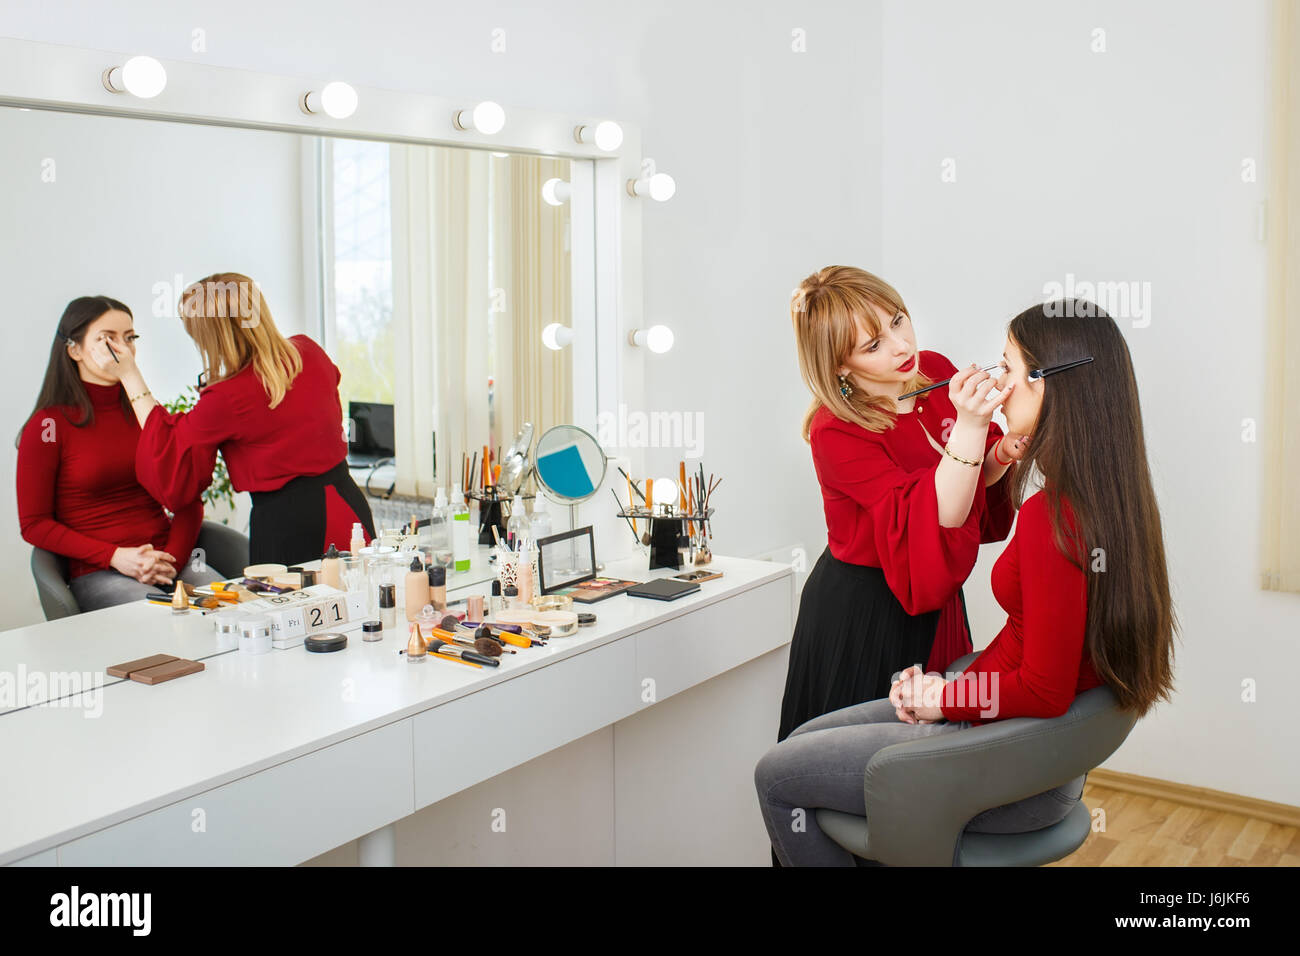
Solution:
(570, 464)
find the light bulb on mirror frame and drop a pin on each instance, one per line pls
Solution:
(659, 187)
(556, 191)
(657, 338)
(556, 336)
(141, 76)
(336, 100)
(605, 135)
(487, 118)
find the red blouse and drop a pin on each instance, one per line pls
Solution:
(1038, 662)
(78, 494)
(263, 447)
(880, 503)
(882, 510)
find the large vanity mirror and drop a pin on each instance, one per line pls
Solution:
(428, 273)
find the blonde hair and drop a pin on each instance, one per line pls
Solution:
(825, 311)
(228, 319)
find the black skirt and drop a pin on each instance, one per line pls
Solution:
(852, 636)
(288, 525)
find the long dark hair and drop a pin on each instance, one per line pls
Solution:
(1088, 445)
(62, 384)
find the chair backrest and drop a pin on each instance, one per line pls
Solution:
(50, 571)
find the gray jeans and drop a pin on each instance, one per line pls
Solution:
(100, 589)
(822, 762)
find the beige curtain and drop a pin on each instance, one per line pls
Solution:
(530, 280)
(1281, 424)
(440, 309)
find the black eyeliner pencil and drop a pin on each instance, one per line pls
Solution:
(112, 353)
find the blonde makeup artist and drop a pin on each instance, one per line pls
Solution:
(903, 485)
(78, 495)
(270, 405)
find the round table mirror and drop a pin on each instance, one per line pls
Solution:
(570, 464)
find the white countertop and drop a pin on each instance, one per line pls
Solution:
(68, 773)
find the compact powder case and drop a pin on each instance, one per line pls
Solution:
(325, 643)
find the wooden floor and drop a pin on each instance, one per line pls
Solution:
(1143, 831)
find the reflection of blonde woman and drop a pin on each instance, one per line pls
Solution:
(270, 405)
(903, 488)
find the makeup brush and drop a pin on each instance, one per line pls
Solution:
(112, 353)
(633, 485)
(626, 520)
(439, 647)
(931, 388)
(450, 626)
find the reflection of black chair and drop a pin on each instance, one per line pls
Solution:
(224, 549)
(370, 433)
(921, 794)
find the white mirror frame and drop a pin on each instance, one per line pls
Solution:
(607, 296)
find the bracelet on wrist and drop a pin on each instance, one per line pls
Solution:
(998, 458)
(964, 461)
(136, 398)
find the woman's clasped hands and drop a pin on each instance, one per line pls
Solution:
(916, 696)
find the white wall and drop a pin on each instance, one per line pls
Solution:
(1122, 165)
(130, 205)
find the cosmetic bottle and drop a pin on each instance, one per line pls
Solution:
(525, 575)
(440, 551)
(358, 538)
(331, 568)
(539, 525)
(417, 589)
(388, 605)
(511, 596)
(438, 588)
(459, 515)
(517, 526)
(180, 599)
(495, 603)
(416, 646)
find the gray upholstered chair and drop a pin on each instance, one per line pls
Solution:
(921, 795)
(225, 550)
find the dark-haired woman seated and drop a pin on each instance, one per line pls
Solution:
(77, 491)
(1083, 581)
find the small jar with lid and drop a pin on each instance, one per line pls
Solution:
(372, 630)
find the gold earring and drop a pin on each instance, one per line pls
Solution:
(845, 388)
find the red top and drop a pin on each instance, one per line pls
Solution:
(1038, 657)
(263, 447)
(882, 510)
(78, 494)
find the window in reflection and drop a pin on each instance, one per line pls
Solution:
(360, 269)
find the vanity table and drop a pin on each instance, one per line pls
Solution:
(632, 741)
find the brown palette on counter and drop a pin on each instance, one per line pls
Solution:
(155, 669)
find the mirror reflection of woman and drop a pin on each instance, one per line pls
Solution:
(271, 406)
(78, 495)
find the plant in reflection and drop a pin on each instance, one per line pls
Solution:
(220, 491)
